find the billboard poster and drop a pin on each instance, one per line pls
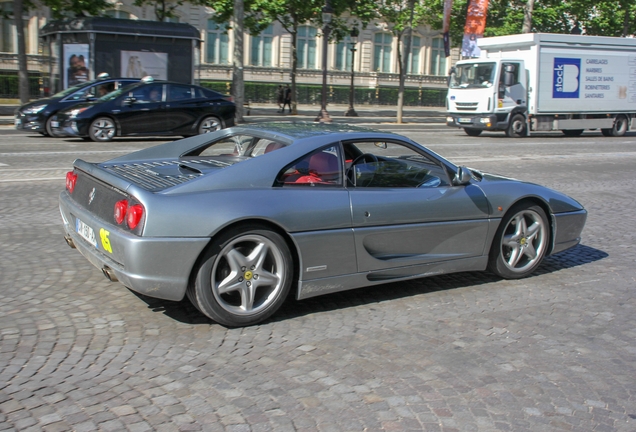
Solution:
(138, 64)
(448, 8)
(76, 64)
(474, 28)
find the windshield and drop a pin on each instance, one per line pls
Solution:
(70, 90)
(473, 75)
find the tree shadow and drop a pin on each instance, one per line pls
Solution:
(183, 311)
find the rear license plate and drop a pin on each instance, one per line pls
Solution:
(86, 232)
(464, 120)
(55, 124)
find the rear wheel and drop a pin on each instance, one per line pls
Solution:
(572, 132)
(472, 131)
(520, 243)
(244, 277)
(209, 124)
(517, 126)
(102, 129)
(620, 126)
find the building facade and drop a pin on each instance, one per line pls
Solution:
(267, 57)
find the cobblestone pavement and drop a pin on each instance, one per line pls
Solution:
(463, 352)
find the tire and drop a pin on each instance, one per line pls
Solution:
(517, 127)
(472, 131)
(102, 129)
(48, 128)
(606, 132)
(572, 132)
(244, 277)
(521, 242)
(620, 126)
(209, 124)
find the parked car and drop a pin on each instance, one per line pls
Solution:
(148, 108)
(37, 116)
(237, 218)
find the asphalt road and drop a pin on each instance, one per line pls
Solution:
(463, 352)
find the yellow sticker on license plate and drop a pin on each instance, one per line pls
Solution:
(86, 232)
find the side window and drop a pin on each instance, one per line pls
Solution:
(391, 165)
(320, 168)
(179, 92)
(82, 94)
(148, 93)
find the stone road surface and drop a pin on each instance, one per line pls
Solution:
(463, 352)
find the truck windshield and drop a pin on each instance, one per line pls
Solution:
(473, 75)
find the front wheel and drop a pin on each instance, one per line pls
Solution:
(521, 242)
(517, 126)
(209, 124)
(244, 277)
(472, 131)
(102, 129)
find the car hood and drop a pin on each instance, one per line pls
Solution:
(39, 102)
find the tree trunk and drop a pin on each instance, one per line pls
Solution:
(23, 74)
(527, 17)
(238, 85)
(403, 61)
(294, 67)
(626, 19)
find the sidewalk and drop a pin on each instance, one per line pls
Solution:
(268, 112)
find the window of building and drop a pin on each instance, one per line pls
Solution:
(262, 48)
(118, 14)
(217, 44)
(343, 54)
(6, 28)
(414, 58)
(306, 47)
(382, 48)
(438, 57)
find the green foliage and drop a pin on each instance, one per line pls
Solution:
(9, 85)
(165, 8)
(73, 8)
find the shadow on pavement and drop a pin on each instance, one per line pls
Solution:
(184, 312)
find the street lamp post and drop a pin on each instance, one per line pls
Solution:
(327, 12)
(354, 40)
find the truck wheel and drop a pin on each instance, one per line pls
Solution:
(472, 131)
(606, 132)
(620, 126)
(572, 132)
(517, 127)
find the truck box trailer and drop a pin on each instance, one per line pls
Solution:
(538, 82)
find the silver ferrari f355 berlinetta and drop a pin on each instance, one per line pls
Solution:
(237, 218)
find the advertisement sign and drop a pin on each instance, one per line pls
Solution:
(76, 64)
(138, 64)
(474, 28)
(592, 80)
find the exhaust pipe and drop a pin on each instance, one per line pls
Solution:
(109, 273)
(69, 241)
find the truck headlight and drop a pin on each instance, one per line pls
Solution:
(484, 120)
(450, 119)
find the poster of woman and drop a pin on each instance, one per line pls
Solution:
(77, 67)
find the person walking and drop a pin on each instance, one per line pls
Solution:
(281, 99)
(287, 98)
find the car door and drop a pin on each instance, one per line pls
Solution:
(182, 107)
(405, 210)
(145, 112)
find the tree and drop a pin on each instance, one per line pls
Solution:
(165, 8)
(400, 17)
(291, 14)
(238, 85)
(23, 76)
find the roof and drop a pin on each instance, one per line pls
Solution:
(121, 26)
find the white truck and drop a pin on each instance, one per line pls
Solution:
(538, 82)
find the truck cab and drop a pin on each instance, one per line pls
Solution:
(489, 94)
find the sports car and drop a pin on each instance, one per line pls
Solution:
(237, 218)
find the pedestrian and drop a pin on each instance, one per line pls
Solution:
(287, 98)
(281, 98)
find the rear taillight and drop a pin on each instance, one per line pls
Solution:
(71, 179)
(120, 211)
(134, 215)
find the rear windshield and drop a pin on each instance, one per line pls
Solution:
(242, 145)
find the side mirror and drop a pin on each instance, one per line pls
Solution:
(462, 177)
(452, 70)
